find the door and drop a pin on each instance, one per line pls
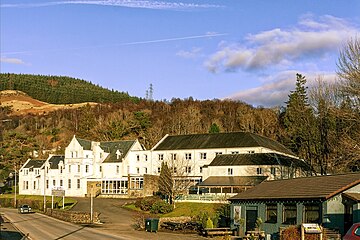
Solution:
(251, 216)
(348, 217)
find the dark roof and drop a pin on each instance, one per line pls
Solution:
(220, 140)
(319, 187)
(86, 144)
(112, 147)
(353, 196)
(257, 159)
(54, 161)
(232, 181)
(34, 163)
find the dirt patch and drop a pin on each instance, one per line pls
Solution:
(21, 103)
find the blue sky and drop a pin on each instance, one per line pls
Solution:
(246, 50)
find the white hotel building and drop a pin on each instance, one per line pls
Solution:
(218, 163)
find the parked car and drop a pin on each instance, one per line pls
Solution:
(353, 233)
(25, 209)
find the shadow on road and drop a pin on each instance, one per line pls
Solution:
(70, 233)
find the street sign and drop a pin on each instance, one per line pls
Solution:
(58, 193)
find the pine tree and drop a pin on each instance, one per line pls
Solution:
(166, 182)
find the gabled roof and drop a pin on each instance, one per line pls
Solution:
(34, 163)
(319, 188)
(257, 159)
(55, 160)
(86, 144)
(112, 147)
(220, 140)
(232, 181)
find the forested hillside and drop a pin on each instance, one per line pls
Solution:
(321, 125)
(60, 90)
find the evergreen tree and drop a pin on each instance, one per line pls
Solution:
(299, 121)
(214, 128)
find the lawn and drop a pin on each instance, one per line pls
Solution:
(69, 202)
(186, 209)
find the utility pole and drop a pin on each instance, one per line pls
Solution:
(45, 186)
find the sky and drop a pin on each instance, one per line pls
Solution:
(247, 50)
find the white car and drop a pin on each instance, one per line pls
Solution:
(25, 209)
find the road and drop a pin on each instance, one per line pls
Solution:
(39, 227)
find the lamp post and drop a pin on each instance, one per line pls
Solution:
(15, 188)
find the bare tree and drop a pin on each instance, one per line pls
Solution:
(349, 69)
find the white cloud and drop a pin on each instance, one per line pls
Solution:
(11, 60)
(276, 89)
(275, 48)
(148, 4)
(193, 53)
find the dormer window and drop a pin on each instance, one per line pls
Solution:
(118, 154)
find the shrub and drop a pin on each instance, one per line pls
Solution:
(161, 207)
(146, 203)
(209, 223)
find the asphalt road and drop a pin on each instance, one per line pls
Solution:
(41, 227)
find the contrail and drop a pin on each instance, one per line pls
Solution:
(160, 5)
(208, 35)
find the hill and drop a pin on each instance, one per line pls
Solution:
(60, 89)
(21, 103)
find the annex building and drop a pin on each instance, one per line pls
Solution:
(221, 163)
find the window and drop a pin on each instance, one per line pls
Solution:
(174, 170)
(235, 152)
(61, 182)
(78, 183)
(259, 170)
(34, 184)
(271, 213)
(54, 182)
(188, 156)
(26, 172)
(161, 157)
(86, 156)
(173, 156)
(138, 170)
(273, 171)
(218, 153)
(145, 170)
(47, 170)
(252, 151)
(114, 187)
(47, 184)
(61, 169)
(146, 157)
(136, 183)
(188, 169)
(312, 213)
(69, 184)
(26, 185)
(117, 169)
(78, 168)
(159, 169)
(203, 156)
(357, 231)
(201, 169)
(289, 214)
(100, 168)
(69, 168)
(138, 157)
(230, 171)
(86, 168)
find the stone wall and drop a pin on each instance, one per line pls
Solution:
(151, 184)
(74, 217)
(183, 219)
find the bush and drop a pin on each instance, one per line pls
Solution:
(209, 223)
(161, 207)
(146, 203)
